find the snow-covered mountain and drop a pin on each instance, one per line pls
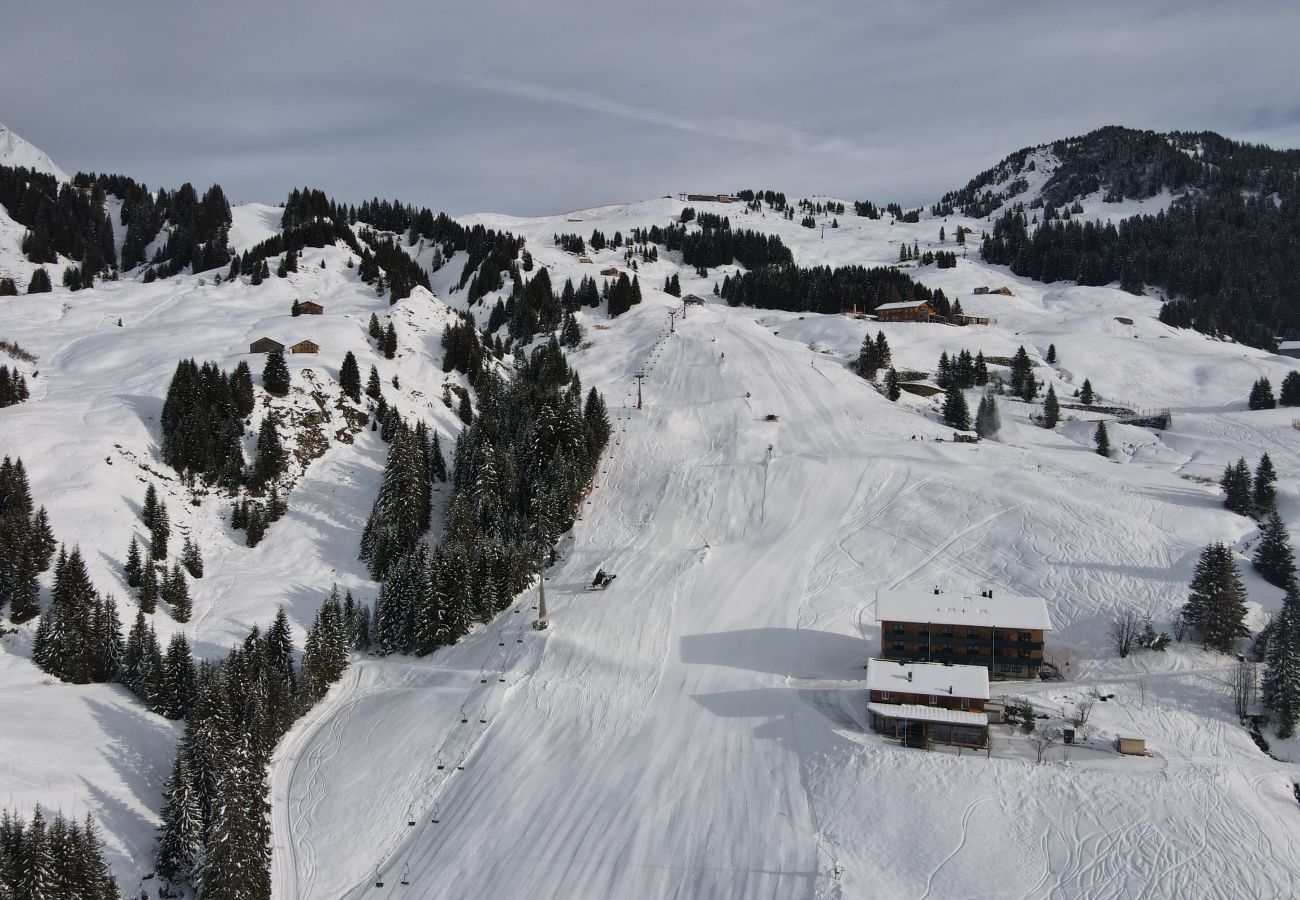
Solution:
(698, 729)
(15, 152)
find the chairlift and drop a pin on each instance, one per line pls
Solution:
(405, 871)
(379, 881)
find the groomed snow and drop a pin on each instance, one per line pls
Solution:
(699, 729)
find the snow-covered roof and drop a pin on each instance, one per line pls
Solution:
(1000, 610)
(927, 678)
(909, 304)
(1289, 345)
(917, 713)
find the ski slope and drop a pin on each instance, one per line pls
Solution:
(697, 730)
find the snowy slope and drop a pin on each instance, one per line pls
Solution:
(15, 152)
(696, 730)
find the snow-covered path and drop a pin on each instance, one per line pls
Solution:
(695, 731)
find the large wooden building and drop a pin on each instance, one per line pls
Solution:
(909, 311)
(1001, 632)
(928, 703)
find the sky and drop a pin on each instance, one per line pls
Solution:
(534, 107)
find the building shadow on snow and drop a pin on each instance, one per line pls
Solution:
(796, 652)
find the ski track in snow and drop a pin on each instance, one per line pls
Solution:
(695, 731)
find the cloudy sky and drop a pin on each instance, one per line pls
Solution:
(536, 107)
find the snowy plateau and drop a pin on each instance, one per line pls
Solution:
(698, 730)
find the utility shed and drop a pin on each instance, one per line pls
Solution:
(1131, 746)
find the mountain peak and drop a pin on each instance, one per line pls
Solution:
(14, 151)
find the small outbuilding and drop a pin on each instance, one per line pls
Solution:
(585, 259)
(1289, 348)
(693, 300)
(265, 345)
(305, 347)
(311, 308)
(1131, 746)
(612, 272)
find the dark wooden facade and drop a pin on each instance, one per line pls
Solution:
(1005, 652)
(919, 312)
(311, 308)
(264, 345)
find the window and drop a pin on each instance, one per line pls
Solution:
(973, 650)
(947, 648)
(886, 697)
(898, 645)
(896, 628)
(999, 636)
(934, 701)
(924, 630)
(947, 631)
(1025, 654)
(1024, 637)
(972, 632)
(965, 703)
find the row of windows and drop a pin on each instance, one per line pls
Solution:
(890, 697)
(970, 650)
(950, 631)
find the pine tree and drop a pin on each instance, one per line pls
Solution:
(956, 414)
(178, 594)
(1086, 395)
(1022, 375)
(1281, 683)
(1290, 395)
(1051, 354)
(275, 374)
(987, 421)
(373, 387)
(1237, 488)
(180, 844)
(40, 283)
(179, 679)
(1216, 604)
(296, 309)
(892, 390)
(241, 388)
(1101, 439)
(1051, 409)
(270, 458)
(1265, 499)
(465, 410)
(149, 507)
(350, 377)
(389, 342)
(192, 559)
(148, 598)
(1261, 394)
(159, 532)
(1274, 559)
(868, 362)
(132, 568)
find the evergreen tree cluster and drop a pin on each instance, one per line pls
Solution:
(825, 290)
(1229, 262)
(987, 420)
(1281, 683)
(1261, 394)
(962, 371)
(873, 356)
(1216, 604)
(1023, 383)
(673, 285)
(956, 414)
(197, 227)
(1247, 494)
(202, 421)
(774, 199)
(58, 860)
(254, 517)
(622, 294)
(571, 243)
(26, 543)
(79, 638)
(13, 387)
(215, 834)
(383, 257)
(61, 219)
(518, 472)
(714, 243)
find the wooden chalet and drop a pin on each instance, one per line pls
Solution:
(1002, 633)
(928, 703)
(265, 345)
(964, 319)
(585, 259)
(305, 347)
(612, 272)
(909, 311)
(311, 308)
